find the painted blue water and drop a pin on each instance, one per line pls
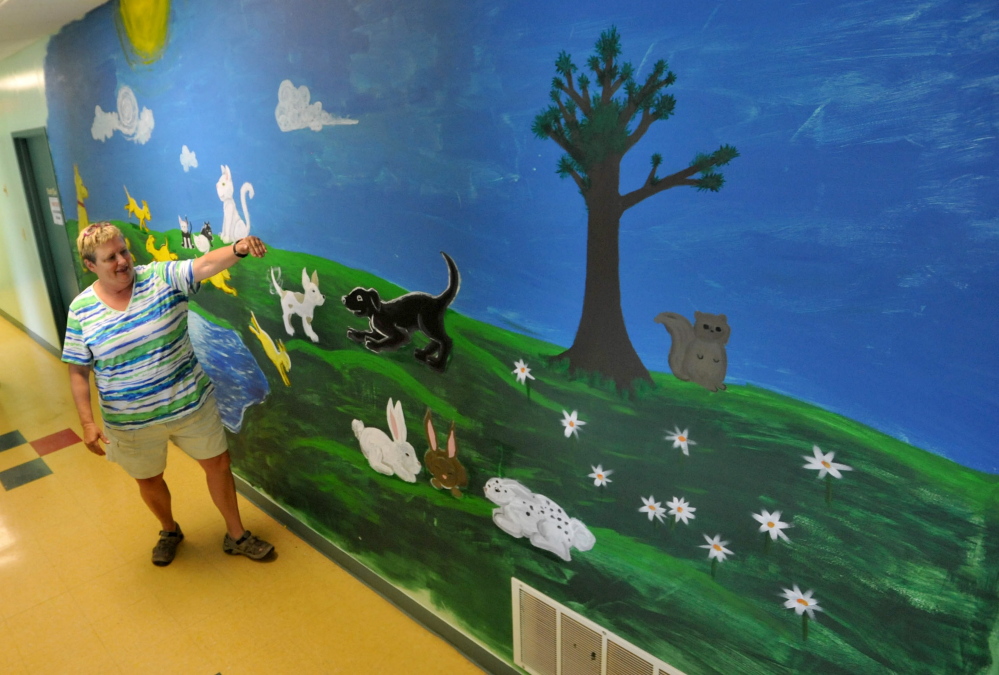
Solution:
(239, 382)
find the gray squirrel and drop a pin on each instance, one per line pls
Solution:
(698, 351)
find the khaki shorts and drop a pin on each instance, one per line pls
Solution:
(143, 452)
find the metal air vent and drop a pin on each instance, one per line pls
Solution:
(551, 639)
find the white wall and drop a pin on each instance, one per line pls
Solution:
(23, 295)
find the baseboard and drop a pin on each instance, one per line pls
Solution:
(33, 335)
(473, 651)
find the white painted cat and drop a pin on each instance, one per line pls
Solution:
(233, 227)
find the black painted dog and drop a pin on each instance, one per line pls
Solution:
(392, 322)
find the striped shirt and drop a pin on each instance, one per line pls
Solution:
(142, 358)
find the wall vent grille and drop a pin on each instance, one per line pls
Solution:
(551, 639)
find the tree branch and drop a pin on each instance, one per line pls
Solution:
(605, 81)
(558, 135)
(652, 186)
(571, 92)
(647, 119)
(567, 114)
(617, 85)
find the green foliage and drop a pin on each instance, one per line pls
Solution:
(566, 165)
(627, 72)
(564, 64)
(663, 106)
(593, 130)
(544, 123)
(593, 63)
(724, 155)
(710, 181)
(608, 45)
(601, 135)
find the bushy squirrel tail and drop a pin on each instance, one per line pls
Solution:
(682, 332)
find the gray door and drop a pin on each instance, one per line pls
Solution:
(48, 221)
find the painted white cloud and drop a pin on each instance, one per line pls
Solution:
(295, 112)
(188, 159)
(134, 124)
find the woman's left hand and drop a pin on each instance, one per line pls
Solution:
(251, 245)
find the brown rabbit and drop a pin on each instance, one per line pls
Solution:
(447, 471)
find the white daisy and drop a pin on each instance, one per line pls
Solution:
(800, 602)
(716, 548)
(571, 424)
(599, 476)
(680, 440)
(680, 509)
(822, 462)
(522, 371)
(653, 508)
(771, 522)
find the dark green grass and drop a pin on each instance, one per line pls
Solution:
(903, 561)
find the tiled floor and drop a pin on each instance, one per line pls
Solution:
(78, 593)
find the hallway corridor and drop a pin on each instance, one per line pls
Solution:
(78, 593)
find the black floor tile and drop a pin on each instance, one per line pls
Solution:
(24, 473)
(11, 439)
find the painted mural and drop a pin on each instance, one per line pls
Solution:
(449, 363)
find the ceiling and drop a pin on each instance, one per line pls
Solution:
(22, 22)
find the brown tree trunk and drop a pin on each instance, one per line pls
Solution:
(602, 344)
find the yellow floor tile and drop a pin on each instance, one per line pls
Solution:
(111, 595)
(178, 655)
(77, 550)
(29, 578)
(37, 505)
(143, 633)
(16, 456)
(10, 657)
(54, 637)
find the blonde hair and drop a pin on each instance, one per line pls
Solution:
(93, 237)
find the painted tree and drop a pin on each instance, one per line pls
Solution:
(596, 123)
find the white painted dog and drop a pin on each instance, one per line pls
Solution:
(302, 304)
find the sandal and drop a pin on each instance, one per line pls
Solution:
(248, 545)
(166, 547)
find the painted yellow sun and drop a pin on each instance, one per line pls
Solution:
(142, 26)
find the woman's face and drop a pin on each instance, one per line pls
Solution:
(113, 264)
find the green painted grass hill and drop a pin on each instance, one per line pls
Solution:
(904, 560)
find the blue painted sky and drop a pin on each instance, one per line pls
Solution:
(854, 247)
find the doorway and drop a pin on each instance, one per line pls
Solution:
(48, 222)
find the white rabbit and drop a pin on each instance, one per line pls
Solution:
(522, 513)
(390, 456)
